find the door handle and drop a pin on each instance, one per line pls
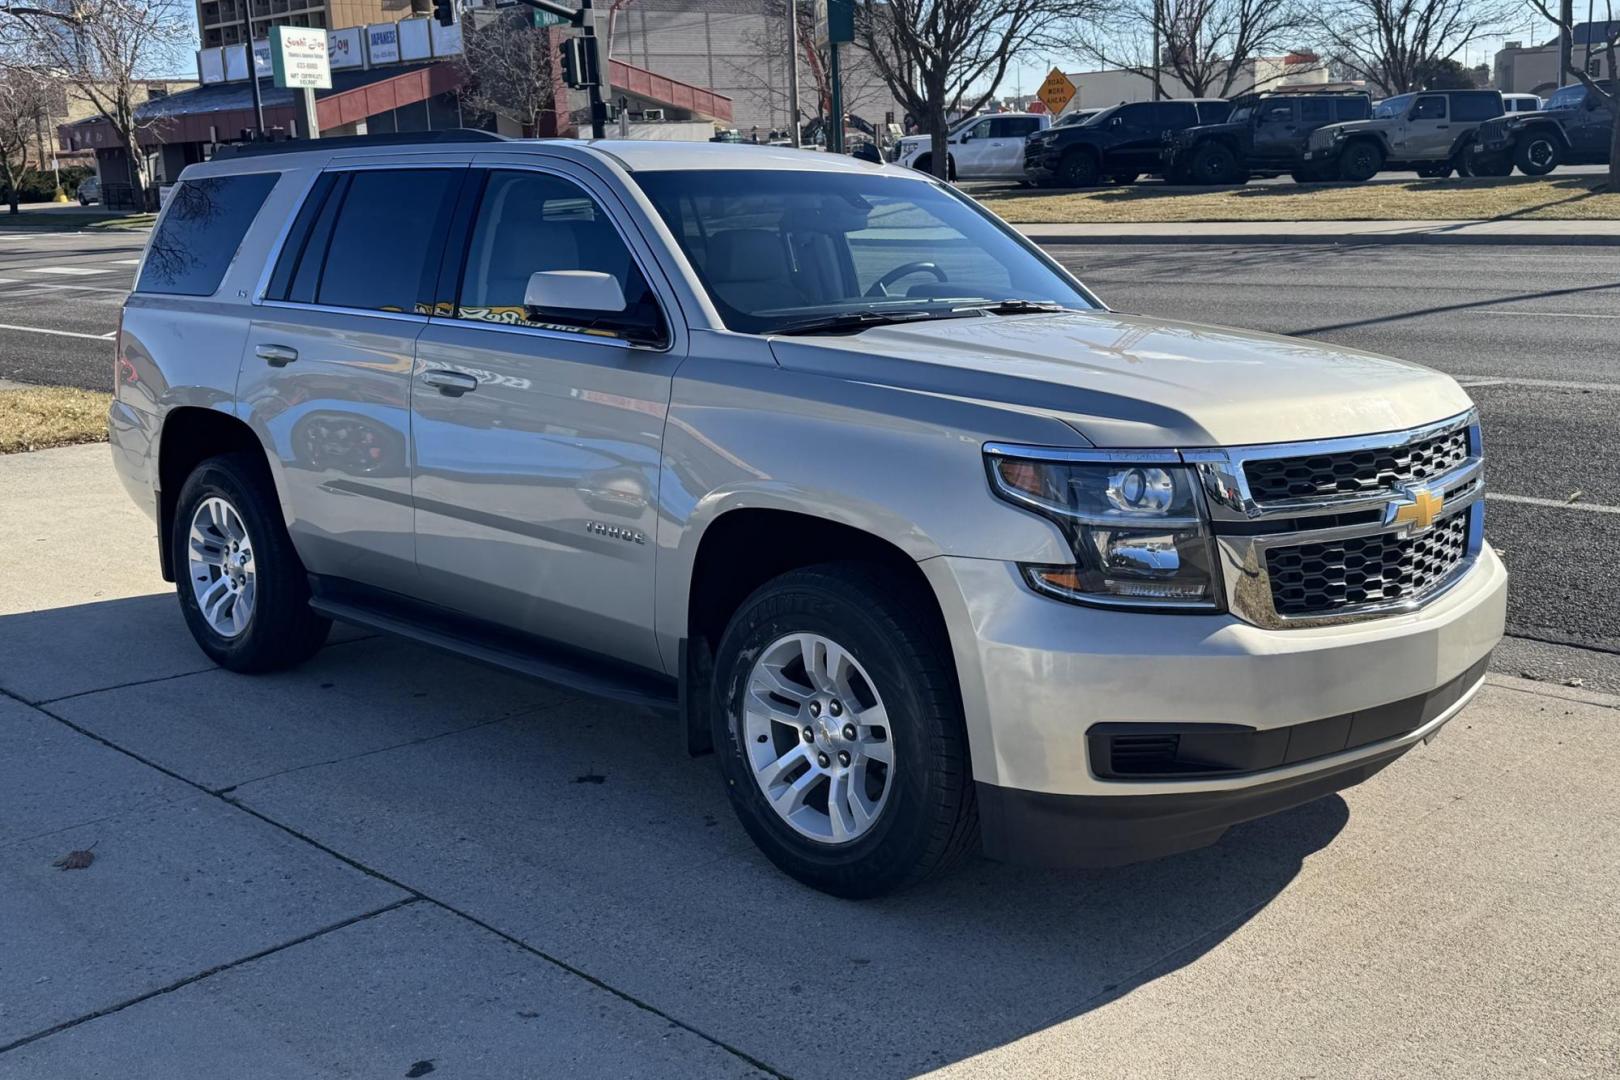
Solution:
(450, 383)
(276, 355)
(1442, 127)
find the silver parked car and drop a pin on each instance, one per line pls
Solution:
(932, 548)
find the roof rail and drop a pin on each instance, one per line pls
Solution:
(345, 142)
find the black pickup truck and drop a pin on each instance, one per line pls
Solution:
(1575, 127)
(1264, 135)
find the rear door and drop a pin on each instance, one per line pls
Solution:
(1007, 135)
(326, 372)
(538, 434)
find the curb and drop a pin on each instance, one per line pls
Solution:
(1035, 234)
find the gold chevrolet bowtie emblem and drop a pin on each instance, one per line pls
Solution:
(1420, 512)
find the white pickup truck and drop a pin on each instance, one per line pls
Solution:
(980, 147)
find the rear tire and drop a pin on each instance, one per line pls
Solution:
(1492, 165)
(1360, 161)
(1538, 155)
(915, 814)
(242, 587)
(1078, 169)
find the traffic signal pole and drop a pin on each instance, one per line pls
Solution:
(591, 79)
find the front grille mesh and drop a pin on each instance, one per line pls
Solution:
(1357, 471)
(1329, 578)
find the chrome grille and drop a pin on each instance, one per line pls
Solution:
(1277, 479)
(1325, 578)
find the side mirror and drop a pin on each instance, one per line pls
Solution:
(576, 290)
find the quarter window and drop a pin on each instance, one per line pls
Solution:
(531, 222)
(202, 227)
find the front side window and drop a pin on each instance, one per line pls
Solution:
(1139, 115)
(775, 249)
(1352, 108)
(202, 227)
(531, 222)
(1570, 97)
(981, 130)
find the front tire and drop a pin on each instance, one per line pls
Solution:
(1215, 163)
(839, 730)
(1078, 169)
(1538, 155)
(242, 587)
(1360, 161)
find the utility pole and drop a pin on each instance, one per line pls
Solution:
(835, 135)
(1566, 17)
(1157, 65)
(252, 69)
(793, 70)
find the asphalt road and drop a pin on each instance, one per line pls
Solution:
(1533, 331)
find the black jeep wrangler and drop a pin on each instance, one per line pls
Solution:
(1119, 143)
(1575, 127)
(1264, 136)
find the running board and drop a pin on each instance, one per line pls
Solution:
(520, 654)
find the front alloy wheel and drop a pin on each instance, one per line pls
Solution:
(818, 738)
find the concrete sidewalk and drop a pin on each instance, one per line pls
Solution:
(389, 862)
(1515, 231)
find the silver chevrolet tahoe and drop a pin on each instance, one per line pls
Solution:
(932, 548)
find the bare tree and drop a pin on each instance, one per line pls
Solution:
(103, 49)
(1607, 91)
(944, 56)
(1394, 43)
(24, 103)
(1207, 46)
(509, 69)
(814, 63)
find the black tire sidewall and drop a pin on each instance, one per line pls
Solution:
(1364, 152)
(281, 629)
(1078, 169)
(885, 857)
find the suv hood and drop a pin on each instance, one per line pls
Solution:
(1349, 127)
(1130, 381)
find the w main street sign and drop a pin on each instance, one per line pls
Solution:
(1056, 92)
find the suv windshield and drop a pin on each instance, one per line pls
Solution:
(783, 249)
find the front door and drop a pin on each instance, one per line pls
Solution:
(973, 152)
(1426, 135)
(538, 433)
(326, 372)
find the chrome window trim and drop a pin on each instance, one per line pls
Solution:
(282, 234)
(542, 332)
(369, 313)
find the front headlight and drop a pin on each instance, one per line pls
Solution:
(1136, 527)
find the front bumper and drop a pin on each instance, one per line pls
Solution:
(1037, 675)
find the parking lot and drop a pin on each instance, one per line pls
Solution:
(389, 863)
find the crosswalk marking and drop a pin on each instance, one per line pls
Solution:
(66, 271)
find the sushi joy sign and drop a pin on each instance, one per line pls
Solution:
(299, 58)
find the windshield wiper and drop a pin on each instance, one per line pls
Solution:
(847, 322)
(1017, 307)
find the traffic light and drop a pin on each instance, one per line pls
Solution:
(445, 12)
(578, 63)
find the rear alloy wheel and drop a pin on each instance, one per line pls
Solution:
(1214, 163)
(1538, 155)
(839, 731)
(243, 591)
(1360, 161)
(1078, 169)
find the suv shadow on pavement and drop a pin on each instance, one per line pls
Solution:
(582, 831)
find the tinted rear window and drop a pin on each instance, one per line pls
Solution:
(1352, 108)
(202, 227)
(1476, 106)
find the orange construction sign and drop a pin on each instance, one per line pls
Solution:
(1056, 92)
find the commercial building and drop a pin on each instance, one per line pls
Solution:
(1533, 69)
(1099, 89)
(220, 22)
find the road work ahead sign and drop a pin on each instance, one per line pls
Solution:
(1056, 92)
(299, 58)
